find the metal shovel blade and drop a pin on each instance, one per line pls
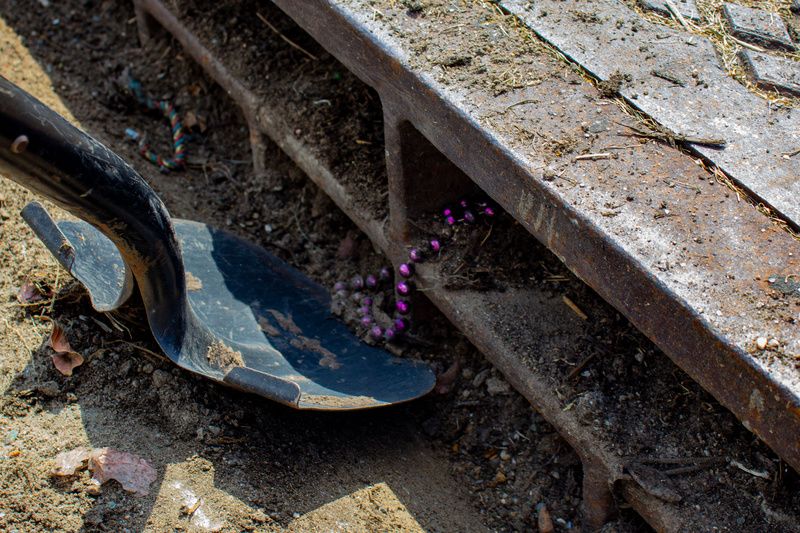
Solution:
(216, 305)
(277, 336)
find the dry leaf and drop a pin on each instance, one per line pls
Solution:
(67, 463)
(29, 293)
(133, 473)
(65, 359)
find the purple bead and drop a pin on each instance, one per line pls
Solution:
(435, 245)
(364, 310)
(371, 281)
(385, 274)
(402, 307)
(376, 332)
(400, 324)
(356, 297)
(406, 270)
(389, 334)
(366, 321)
(463, 203)
(339, 286)
(404, 288)
(450, 220)
(415, 255)
(469, 218)
(489, 212)
(357, 283)
(447, 212)
(366, 301)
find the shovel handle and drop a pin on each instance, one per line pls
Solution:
(43, 152)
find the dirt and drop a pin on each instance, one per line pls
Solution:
(221, 355)
(342, 117)
(457, 461)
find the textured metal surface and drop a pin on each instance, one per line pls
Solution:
(706, 103)
(758, 26)
(687, 8)
(775, 73)
(651, 231)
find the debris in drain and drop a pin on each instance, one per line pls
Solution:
(131, 471)
(64, 359)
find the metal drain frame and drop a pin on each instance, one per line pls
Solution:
(409, 100)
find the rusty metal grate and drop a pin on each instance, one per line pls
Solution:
(649, 229)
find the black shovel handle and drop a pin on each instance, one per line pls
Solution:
(43, 152)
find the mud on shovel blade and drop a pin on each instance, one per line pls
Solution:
(217, 305)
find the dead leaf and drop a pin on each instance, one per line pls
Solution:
(131, 471)
(67, 463)
(65, 359)
(29, 293)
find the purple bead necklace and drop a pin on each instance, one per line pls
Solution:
(405, 286)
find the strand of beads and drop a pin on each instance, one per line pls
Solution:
(405, 286)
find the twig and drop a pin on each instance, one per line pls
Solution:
(792, 153)
(286, 39)
(575, 309)
(593, 157)
(680, 460)
(672, 138)
(740, 466)
(677, 14)
(521, 102)
(140, 348)
(55, 292)
(577, 370)
(487, 236)
(669, 77)
(745, 44)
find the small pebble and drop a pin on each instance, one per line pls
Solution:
(761, 343)
(774, 344)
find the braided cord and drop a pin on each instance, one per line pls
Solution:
(166, 108)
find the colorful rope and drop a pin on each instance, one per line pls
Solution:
(178, 160)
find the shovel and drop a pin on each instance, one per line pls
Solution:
(216, 304)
